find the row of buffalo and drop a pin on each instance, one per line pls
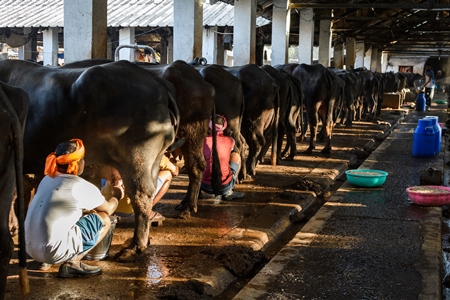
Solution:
(129, 114)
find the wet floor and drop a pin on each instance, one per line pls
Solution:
(366, 243)
(201, 257)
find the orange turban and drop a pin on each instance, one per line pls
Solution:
(70, 159)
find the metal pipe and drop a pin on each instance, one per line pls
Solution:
(136, 47)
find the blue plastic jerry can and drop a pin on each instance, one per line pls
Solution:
(421, 102)
(424, 141)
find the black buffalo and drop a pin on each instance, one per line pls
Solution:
(369, 93)
(261, 112)
(195, 100)
(319, 88)
(13, 113)
(289, 91)
(229, 102)
(351, 95)
(125, 116)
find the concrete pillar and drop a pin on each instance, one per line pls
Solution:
(280, 32)
(210, 44)
(377, 54)
(163, 46)
(26, 51)
(367, 56)
(109, 49)
(360, 52)
(187, 29)
(228, 58)
(306, 36)
(85, 29)
(3, 51)
(325, 42)
(51, 45)
(170, 49)
(373, 59)
(244, 38)
(384, 61)
(350, 53)
(220, 51)
(338, 55)
(127, 37)
(259, 51)
(112, 42)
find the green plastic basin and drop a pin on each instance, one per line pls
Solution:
(366, 177)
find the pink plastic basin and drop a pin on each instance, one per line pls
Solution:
(429, 195)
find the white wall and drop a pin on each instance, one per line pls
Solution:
(394, 62)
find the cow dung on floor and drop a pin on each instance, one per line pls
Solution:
(308, 185)
(239, 260)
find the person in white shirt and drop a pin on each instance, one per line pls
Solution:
(68, 215)
(429, 84)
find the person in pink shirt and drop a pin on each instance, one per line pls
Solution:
(230, 161)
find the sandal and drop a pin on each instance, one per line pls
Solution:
(157, 218)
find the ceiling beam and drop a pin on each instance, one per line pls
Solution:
(393, 18)
(406, 48)
(358, 5)
(418, 41)
(391, 28)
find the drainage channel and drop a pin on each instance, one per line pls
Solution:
(309, 212)
(284, 238)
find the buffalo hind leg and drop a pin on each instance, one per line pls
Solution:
(312, 138)
(141, 236)
(290, 137)
(6, 252)
(327, 148)
(255, 146)
(195, 165)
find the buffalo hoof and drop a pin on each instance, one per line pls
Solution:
(184, 215)
(126, 255)
(250, 172)
(182, 206)
(309, 151)
(326, 151)
(289, 158)
(240, 181)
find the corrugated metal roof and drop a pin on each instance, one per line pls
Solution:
(131, 13)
